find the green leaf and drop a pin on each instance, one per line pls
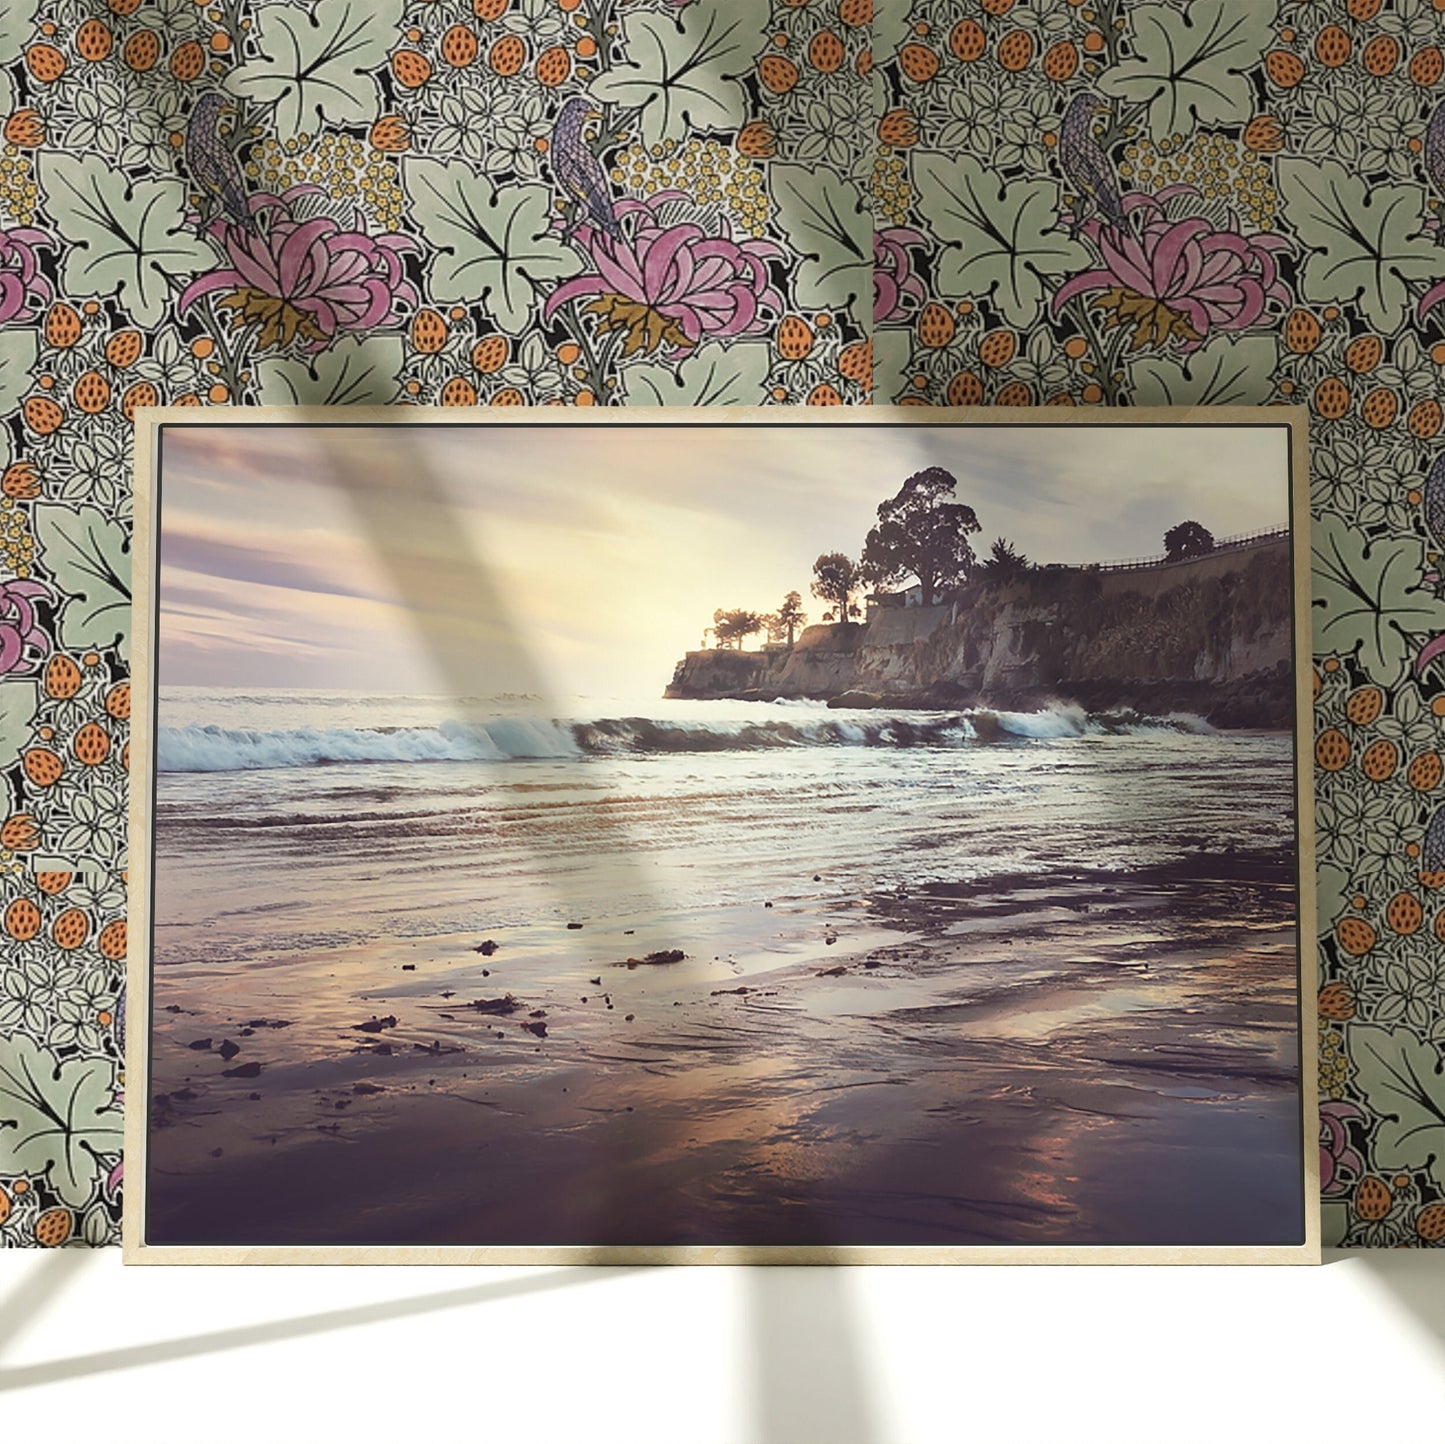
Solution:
(892, 351)
(17, 19)
(126, 238)
(1364, 238)
(714, 375)
(1367, 595)
(827, 219)
(680, 73)
(891, 27)
(356, 371)
(1332, 887)
(493, 246)
(18, 701)
(89, 557)
(1403, 1080)
(18, 350)
(1226, 372)
(56, 1117)
(1192, 68)
(319, 66)
(1001, 238)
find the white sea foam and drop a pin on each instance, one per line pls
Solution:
(214, 748)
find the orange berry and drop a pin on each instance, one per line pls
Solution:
(62, 326)
(777, 73)
(45, 63)
(508, 55)
(93, 40)
(391, 134)
(1016, 49)
(968, 41)
(795, 338)
(1284, 68)
(459, 47)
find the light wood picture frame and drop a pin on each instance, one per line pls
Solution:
(446, 948)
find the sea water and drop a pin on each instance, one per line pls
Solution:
(945, 976)
(514, 808)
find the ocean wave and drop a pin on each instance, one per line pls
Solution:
(234, 749)
(228, 749)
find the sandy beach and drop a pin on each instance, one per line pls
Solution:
(1097, 1056)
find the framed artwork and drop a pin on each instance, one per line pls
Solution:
(772, 835)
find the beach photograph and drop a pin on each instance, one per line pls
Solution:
(659, 831)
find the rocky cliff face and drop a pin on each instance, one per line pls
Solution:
(1212, 636)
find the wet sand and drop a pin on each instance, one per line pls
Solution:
(1085, 1058)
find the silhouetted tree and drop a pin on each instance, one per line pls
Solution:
(731, 627)
(790, 616)
(922, 534)
(835, 579)
(1188, 539)
(1003, 563)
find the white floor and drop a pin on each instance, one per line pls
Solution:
(1353, 1350)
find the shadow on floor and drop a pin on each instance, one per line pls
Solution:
(1399, 1273)
(304, 1325)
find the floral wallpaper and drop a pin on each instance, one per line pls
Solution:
(714, 202)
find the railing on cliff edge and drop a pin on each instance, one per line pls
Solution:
(1239, 542)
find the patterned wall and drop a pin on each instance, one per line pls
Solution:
(598, 202)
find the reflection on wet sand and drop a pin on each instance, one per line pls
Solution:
(1097, 1057)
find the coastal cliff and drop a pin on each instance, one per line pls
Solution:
(1212, 636)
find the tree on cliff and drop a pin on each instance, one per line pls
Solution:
(731, 627)
(1003, 563)
(835, 579)
(922, 534)
(787, 619)
(1188, 539)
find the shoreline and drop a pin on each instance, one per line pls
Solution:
(1088, 1057)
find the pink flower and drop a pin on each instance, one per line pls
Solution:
(310, 278)
(20, 278)
(23, 643)
(894, 281)
(1339, 1159)
(1178, 277)
(673, 284)
(1430, 299)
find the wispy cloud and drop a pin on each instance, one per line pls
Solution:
(595, 554)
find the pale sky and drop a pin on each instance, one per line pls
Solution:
(586, 559)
